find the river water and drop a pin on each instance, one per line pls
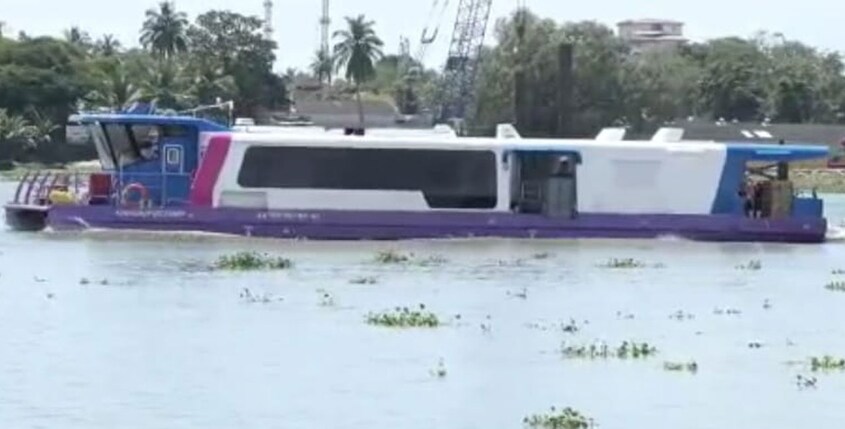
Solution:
(165, 344)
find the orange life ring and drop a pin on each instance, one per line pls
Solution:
(141, 189)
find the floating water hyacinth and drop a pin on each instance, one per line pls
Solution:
(566, 418)
(247, 261)
(433, 261)
(625, 263)
(681, 366)
(754, 265)
(826, 363)
(405, 318)
(391, 257)
(364, 281)
(626, 350)
(835, 286)
(838, 272)
(254, 298)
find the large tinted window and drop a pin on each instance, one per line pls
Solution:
(447, 178)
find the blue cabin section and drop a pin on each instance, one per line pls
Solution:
(151, 159)
(769, 158)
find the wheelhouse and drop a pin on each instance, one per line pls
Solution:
(155, 154)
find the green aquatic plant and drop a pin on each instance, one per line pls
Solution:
(835, 286)
(625, 263)
(754, 265)
(364, 281)
(826, 363)
(253, 298)
(566, 418)
(440, 371)
(247, 261)
(838, 272)
(326, 299)
(541, 256)
(391, 257)
(626, 350)
(432, 261)
(404, 318)
(681, 366)
(680, 315)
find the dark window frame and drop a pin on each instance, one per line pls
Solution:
(448, 179)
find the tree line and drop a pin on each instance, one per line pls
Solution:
(222, 55)
(764, 78)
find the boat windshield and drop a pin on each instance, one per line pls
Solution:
(122, 145)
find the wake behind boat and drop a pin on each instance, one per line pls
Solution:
(166, 173)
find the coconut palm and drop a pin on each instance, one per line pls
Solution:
(166, 85)
(164, 31)
(357, 50)
(117, 88)
(107, 46)
(210, 82)
(322, 67)
(77, 37)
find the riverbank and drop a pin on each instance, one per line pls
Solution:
(20, 170)
(826, 181)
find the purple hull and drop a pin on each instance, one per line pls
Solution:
(347, 225)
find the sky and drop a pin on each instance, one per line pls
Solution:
(816, 22)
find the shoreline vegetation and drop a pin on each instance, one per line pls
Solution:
(823, 180)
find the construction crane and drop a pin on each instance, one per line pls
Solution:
(458, 86)
(432, 28)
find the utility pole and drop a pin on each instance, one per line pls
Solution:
(325, 23)
(268, 19)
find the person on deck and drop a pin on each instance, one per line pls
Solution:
(757, 197)
(747, 205)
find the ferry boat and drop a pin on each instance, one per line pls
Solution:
(166, 173)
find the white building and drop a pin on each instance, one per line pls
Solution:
(652, 34)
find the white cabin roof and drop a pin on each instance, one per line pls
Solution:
(430, 141)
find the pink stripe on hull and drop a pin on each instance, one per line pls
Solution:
(202, 190)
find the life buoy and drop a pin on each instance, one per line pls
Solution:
(142, 192)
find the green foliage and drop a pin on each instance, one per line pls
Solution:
(826, 363)
(728, 78)
(754, 265)
(404, 318)
(681, 366)
(625, 263)
(391, 257)
(626, 350)
(835, 286)
(230, 56)
(566, 418)
(247, 261)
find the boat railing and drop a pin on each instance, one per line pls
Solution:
(35, 186)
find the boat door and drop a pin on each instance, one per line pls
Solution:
(173, 173)
(545, 182)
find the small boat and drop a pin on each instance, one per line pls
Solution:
(174, 173)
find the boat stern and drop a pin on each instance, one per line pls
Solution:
(28, 218)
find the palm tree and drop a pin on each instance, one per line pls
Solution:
(357, 50)
(164, 31)
(322, 67)
(118, 88)
(166, 85)
(107, 46)
(210, 82)
(13, 128)
(77, 37)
